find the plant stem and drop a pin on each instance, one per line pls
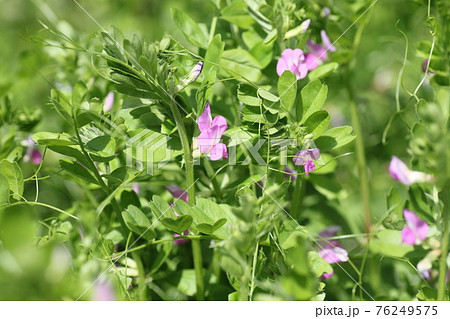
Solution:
(297, 197)
(212, 31)
(255, 260)
(360, 154)
(196, 247)
(94, 170)
(39, 204)
(445, 242)
(211, 175)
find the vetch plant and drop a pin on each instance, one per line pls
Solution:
(123, 122)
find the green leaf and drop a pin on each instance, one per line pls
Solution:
(323, 71)
(210, 229)
(137, 222)
(318, 265)
(427, 294)
(53, 139)
(187, 283)
(77, 170)
(263, 53)
(4, 190)
(241, 65)
(313, 96)
(317, 123)
(70, 151)
(159, 206)
(266, 95)
(190, 28)
(13, 174)
(389, 243)
(177, 224)
(103, 148)
(237, 13)
(287, 89)
(213, 57)
(247, 95)
(78, 94)
(334, 138)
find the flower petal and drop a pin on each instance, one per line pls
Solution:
(282, 66)
(317, 50)
(220, 121)
(36, 156)
(205, 120)
(333, 254)
(408, 236)
(290, 173)
(327, 276)
(326, 41)
(309, 166)
(178, 192)
(399, 171)
(417, 225)
(218, 152)
(311, 61)
(330, 231)
(207, 139)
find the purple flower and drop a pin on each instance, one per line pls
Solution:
(327, 275)
(424, 268)
(400, 172)
(416, 230)
(330, 231)
(305, 158)
(191, 77)
(109, 101)
(33, 154)
(136, 188)
(326, 41)
(326, 12)
(293, 61)
(211, 133)
(178, 192)
(103, 291)
(290, 173)
(331, 251)
(318, 53)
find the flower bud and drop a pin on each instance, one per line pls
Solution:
(190, 78)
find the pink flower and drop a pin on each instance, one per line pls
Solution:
(416, 230)
(305, 158)
(327, 275)
(33, 154)
(190, 77)
(136, 188)
(104, 291)
(293, 61)
(291, 174)
(326, 41)
(318, 53)
(331, 251)
(109, 101)
(178, 192)
(211, 133)
(400, 172)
